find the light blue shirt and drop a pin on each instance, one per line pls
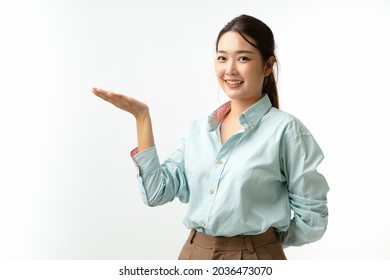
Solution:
(263, 176)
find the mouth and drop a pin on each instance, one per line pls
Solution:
(234, 83)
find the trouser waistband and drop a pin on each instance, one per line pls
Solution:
(240, 242)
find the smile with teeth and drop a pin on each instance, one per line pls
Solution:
(234, 82)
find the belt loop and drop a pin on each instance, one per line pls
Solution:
(192, 236)
(249, 245)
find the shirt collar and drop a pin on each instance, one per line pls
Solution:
(248, 119)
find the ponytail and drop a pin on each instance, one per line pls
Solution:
(270, 88)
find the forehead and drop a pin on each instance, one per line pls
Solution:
(232, 41)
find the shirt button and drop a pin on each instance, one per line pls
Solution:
(219, 161)
(211, 191)
(253, 124)
(202, 223)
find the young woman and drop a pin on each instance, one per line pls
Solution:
(245, 168)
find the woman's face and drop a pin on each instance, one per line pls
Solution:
(239, 68)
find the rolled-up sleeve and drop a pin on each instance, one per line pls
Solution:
(307, 190)
(161, 183)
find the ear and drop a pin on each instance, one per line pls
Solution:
(269, 66)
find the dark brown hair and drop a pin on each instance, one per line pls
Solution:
(263, 37)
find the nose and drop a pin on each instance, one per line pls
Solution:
(231, 69)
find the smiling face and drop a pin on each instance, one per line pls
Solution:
(240, 68)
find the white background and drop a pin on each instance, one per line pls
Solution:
(68, 187)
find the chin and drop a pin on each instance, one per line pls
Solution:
(234, 95)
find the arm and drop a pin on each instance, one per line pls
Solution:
(307, 190)
(161, 183)
(158, 184)
(138, 109)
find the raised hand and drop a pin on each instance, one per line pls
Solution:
(126, 103)
(138, 109)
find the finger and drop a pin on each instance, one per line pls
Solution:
(119, 100)
(115, 94)
(97, 90)
(100, 91)
(104, 95)
(109, 94)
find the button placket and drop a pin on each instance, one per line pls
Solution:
(215, 175)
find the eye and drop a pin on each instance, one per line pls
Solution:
(221, 58)
(243, 59)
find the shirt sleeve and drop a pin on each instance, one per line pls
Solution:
(307, 188)
(161, 183)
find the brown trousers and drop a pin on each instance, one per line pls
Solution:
(264, 246)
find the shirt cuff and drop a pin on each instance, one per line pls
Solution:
(134, 152)
(147, 160)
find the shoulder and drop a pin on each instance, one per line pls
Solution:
(287, 125)
(294, 138)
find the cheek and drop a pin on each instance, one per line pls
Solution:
(218, 71)
(256, 76)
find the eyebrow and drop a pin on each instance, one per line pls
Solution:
(237, 52)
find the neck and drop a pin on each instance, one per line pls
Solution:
(239, 106)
